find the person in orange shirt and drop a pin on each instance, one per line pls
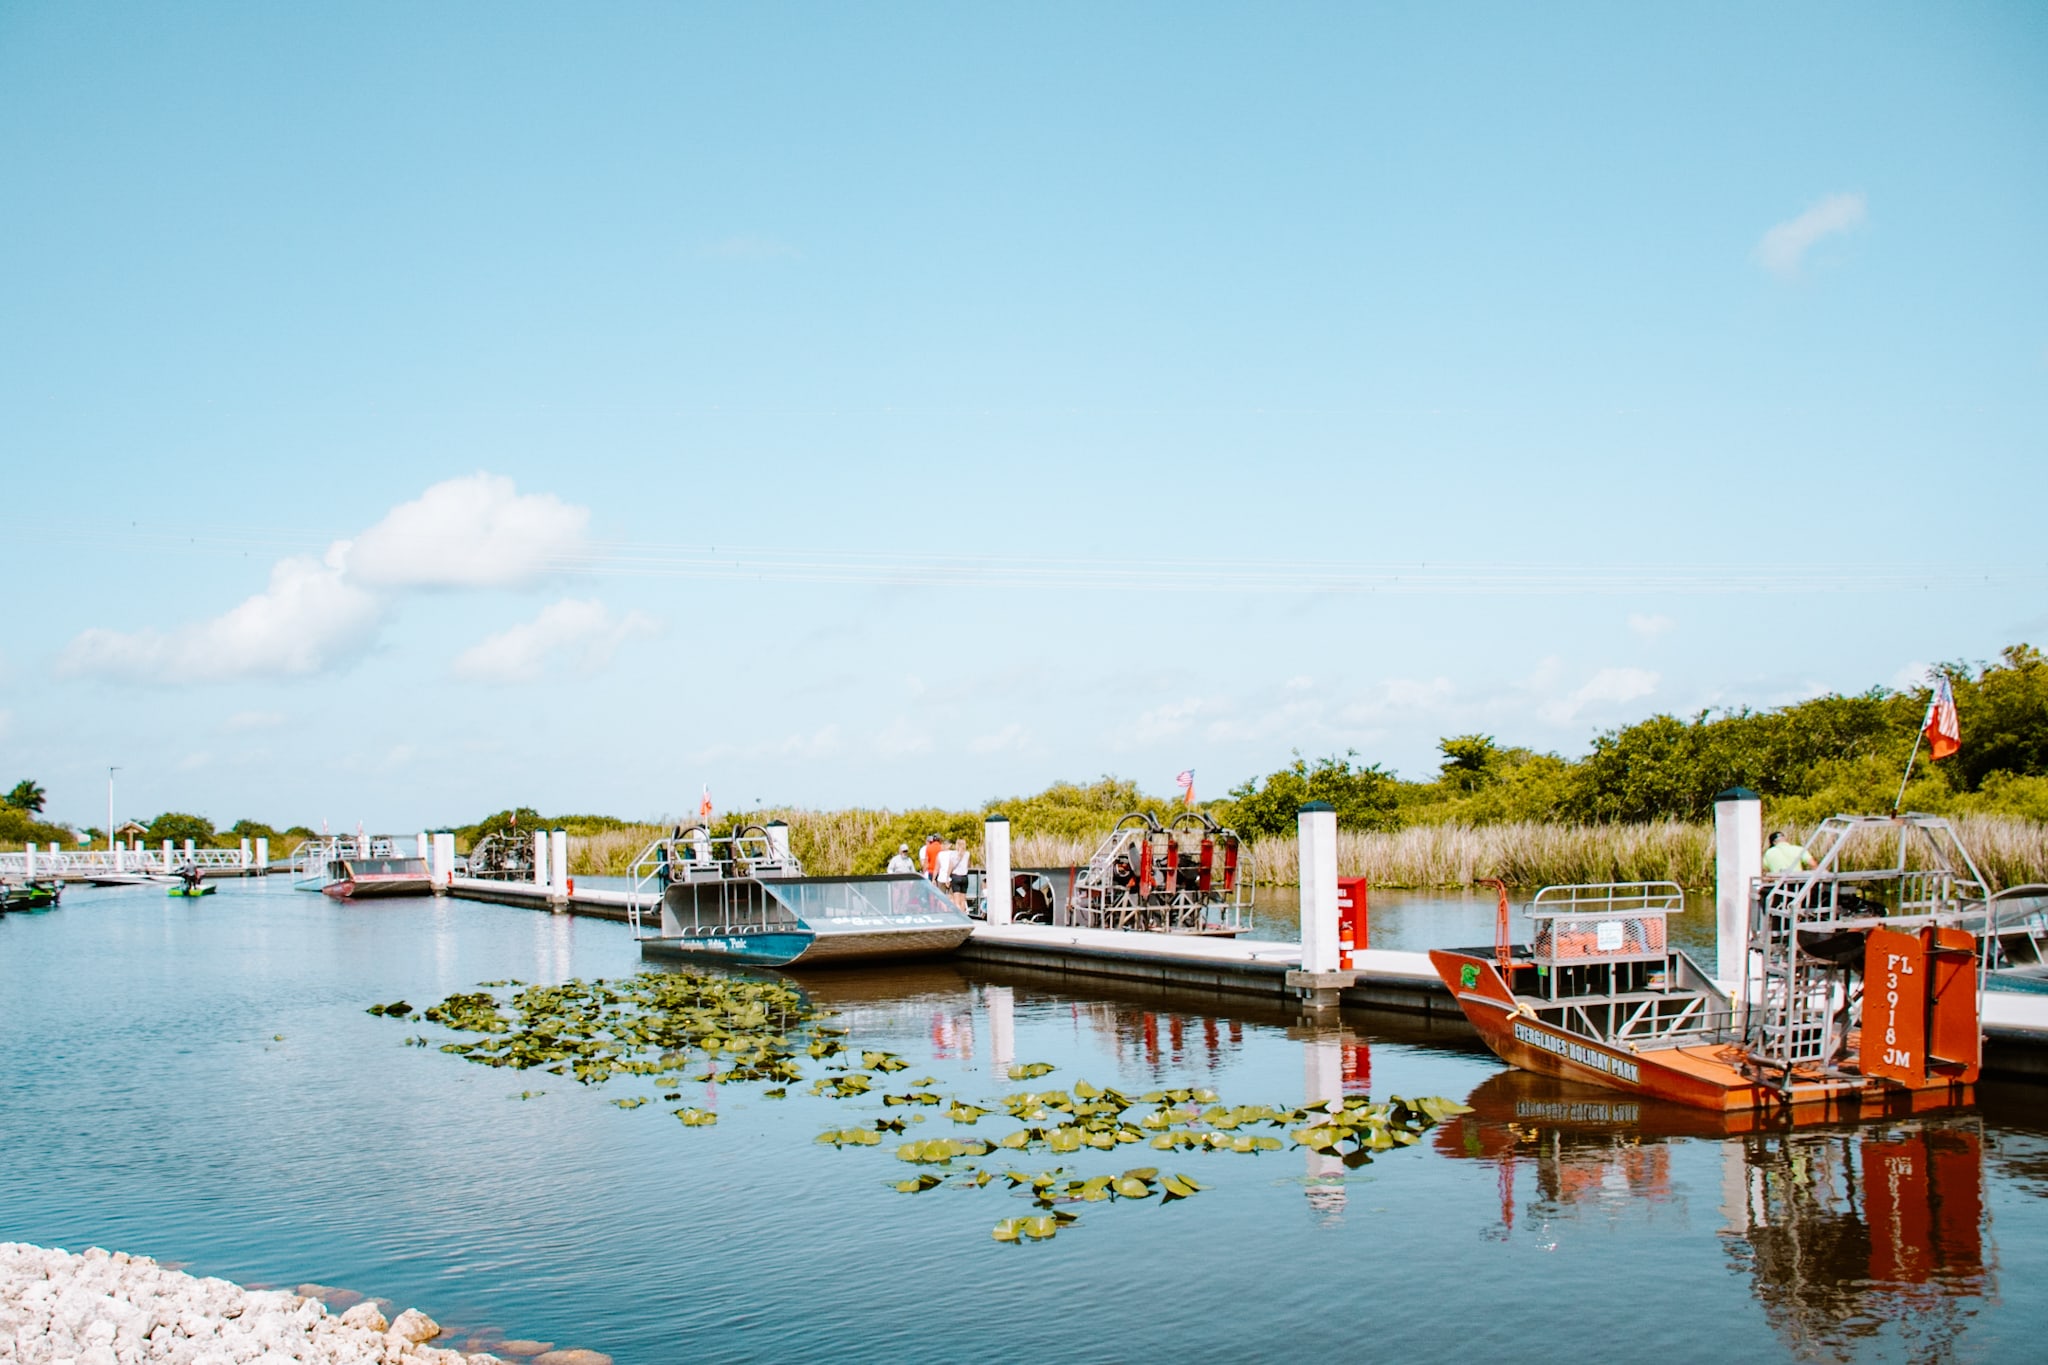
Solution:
(932, 846)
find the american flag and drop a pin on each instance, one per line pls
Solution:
(704, 806)
(1186, 783)
(1944, 733)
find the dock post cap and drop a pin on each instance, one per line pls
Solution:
(1736, 794)
(992, 819)
(1316, 805)
(776, 824)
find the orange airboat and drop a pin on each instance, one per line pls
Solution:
(1859, 995)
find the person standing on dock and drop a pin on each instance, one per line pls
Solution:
(956, 881)
(933, 847)
(1785, 856)
(901, 863)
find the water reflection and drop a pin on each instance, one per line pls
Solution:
(1844, 1233)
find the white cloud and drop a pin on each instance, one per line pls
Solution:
(1400, 696)
(584, 629)
(473, 532)
(253, 720)
(1165, 722)
(195, 761)
(903, 739)
(309, 619)
(1608, 686)
(1913, 676)
(1784, 247)
(319, 614)
(1649, 626)
(1011, 736)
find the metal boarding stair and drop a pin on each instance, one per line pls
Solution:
(1799, 1014)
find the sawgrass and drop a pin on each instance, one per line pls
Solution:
(2009, 850)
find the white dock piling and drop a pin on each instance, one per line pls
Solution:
(169, 857)
(424, 851)
(262, 854)
(1317, 829)
(248, 856)
(995, 844)
(540, 859)
(1738, 861)
(190, 855)
(29, 864)
(444, 861)
(558, 867)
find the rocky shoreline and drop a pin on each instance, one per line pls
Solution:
(110, 1308)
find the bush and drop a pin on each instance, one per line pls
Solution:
(1365, 797)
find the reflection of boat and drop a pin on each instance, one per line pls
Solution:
(745, 898)
(1841, 1228)
(363, 878)
(1601, 996)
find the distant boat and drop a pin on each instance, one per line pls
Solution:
(746, 899)
(354, 879)
(29, 895)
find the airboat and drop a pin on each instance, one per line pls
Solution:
(360, 867)
(744, 897)
(1191, 876)
(1860, 994)
(503, 855)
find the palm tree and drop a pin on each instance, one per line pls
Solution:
(28, 796)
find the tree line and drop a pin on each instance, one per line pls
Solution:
(1810, 759)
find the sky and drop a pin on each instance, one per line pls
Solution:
(413, 410)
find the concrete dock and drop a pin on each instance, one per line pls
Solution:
(2015, 1023)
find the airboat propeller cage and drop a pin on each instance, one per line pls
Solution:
(1141, 877)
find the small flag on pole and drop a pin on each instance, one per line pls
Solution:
(704, 806)
(1944, 733)
(1186, 783)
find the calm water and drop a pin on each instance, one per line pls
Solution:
(147, 1102)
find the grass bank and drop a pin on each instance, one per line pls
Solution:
(2009, 850)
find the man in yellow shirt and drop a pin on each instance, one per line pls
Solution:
(1785, 856)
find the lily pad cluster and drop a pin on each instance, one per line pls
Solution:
(666, 1028)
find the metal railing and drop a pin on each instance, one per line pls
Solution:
(136, 862)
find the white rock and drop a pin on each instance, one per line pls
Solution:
(364, 1317)
(415, 1326)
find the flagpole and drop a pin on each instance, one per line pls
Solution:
(1909, 773)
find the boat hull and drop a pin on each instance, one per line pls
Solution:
(1701, 1076)
(191, 891)
(375, 887)
(800, 947)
